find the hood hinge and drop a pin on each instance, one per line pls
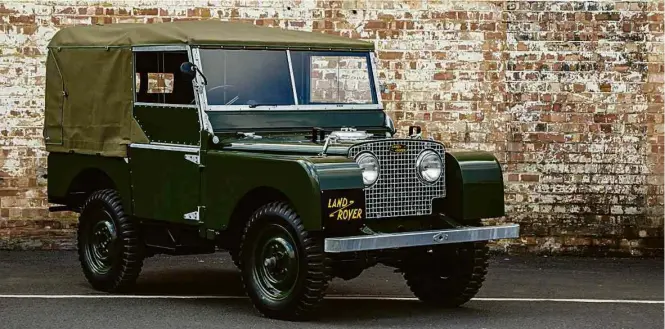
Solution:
(195, 215)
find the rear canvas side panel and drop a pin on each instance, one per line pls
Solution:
(89, 99)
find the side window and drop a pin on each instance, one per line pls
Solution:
(159, 80)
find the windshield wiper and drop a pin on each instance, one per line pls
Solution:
(254, 105)
(251, 135)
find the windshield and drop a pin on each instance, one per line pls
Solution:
(263, 78)
(332, 78)
(245, 77)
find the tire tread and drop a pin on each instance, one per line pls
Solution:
(461, 289)
(318, 266)
(132, 252)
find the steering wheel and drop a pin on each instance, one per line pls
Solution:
(223, 87)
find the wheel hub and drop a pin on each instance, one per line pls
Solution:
(276, 266)
(100, 244)
(103, 237)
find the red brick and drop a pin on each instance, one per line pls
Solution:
(146, 11)
(375, 25)
(444, 76)
(22, 19)
(5, 192)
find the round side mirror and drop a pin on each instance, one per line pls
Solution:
(188, 69)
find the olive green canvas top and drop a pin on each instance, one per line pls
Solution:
(206, 32)
(90, 81)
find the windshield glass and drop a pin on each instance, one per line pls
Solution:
(247, 77)
(332, 78)
(262, 77)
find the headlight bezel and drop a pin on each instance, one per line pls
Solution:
(419, 160)
(370, 155)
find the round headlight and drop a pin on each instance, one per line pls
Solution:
(429, 166)
(370, 166)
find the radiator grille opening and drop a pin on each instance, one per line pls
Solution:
(398, 191)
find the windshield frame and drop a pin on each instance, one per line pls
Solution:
(371, 68)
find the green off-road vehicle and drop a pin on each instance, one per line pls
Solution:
(197, 136)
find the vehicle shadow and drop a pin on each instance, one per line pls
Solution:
(226, 283)
(190, 282)
(346, 312)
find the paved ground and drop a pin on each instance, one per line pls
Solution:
(539, 293)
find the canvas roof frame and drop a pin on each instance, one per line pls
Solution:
(80, 119)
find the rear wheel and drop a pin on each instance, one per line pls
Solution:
(448, 276)
(284, 270)
(110, 249)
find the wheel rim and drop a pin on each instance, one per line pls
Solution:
(100, 243)
(276, 266)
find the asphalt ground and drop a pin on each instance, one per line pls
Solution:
(48, 290)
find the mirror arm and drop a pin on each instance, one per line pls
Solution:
(190, 68)
(205, 81)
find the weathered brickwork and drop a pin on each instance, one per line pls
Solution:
(567, 94)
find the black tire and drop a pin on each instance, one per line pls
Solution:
(110, 249)
(448, 276)
(298, 278)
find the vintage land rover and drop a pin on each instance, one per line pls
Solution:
(197, 136)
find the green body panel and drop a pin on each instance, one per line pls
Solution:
(64, 168)
(301, 119)
(173, 125)
(229, 176)
(165, 185)
(474, 186)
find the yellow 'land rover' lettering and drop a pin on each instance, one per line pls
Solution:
(342, 211)
(339, 203)
(349, 214)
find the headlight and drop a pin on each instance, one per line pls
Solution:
(429, 166)
(370, 166)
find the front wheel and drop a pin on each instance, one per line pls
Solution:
(448, 276)
(284, 269)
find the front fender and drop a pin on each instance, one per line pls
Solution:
(229, 176)
(474, 186)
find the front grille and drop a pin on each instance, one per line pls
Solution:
(398, 190)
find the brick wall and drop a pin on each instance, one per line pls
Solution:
(568, 95)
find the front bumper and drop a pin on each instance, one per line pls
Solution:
(420, 238)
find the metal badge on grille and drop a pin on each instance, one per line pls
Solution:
(398, 190)
(398, 148)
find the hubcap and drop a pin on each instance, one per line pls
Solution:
(100, 243)
(276, 263)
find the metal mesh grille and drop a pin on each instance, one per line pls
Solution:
(398, 190)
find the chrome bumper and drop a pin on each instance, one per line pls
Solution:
(420, 238)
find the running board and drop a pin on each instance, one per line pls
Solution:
(420, 238)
